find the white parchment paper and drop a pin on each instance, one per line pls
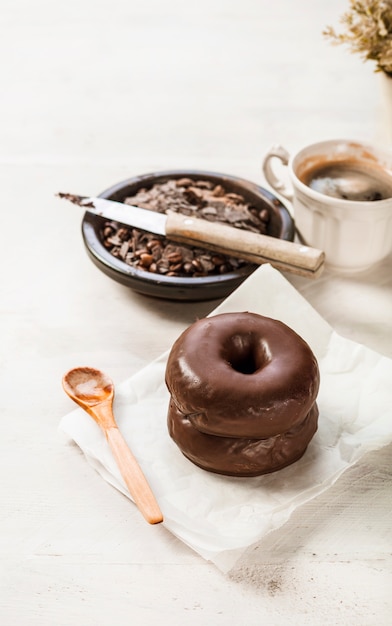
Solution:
(220, 517)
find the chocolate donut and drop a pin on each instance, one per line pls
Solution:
(239, 456)
(243, 390)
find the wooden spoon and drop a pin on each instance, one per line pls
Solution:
(94, 392)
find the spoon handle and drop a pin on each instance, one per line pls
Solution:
(134, 478)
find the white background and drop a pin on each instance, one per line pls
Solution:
(93, 92)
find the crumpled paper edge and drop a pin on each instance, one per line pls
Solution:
(294, 310)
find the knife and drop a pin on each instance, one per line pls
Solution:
(255, 248)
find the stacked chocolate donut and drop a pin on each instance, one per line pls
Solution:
(243, 393)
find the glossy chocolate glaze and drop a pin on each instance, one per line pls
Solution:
(240, 456)
(242, 375)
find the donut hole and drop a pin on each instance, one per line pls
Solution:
(245, 363)
(246, 354)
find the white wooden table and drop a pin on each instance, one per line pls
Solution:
(93, 93)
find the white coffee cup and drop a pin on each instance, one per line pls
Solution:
(354, 231)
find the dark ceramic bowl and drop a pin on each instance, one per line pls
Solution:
(281, 225)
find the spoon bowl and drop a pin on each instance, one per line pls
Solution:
(93, 391)
(89, 387)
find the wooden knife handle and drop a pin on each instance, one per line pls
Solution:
(284, 255)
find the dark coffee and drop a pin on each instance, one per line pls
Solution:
(349, 181)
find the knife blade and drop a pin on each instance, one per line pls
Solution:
(255, 248)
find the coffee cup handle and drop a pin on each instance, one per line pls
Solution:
(276, 183)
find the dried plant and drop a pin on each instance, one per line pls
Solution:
(368, 32)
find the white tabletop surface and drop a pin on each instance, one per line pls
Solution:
(94, 92)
